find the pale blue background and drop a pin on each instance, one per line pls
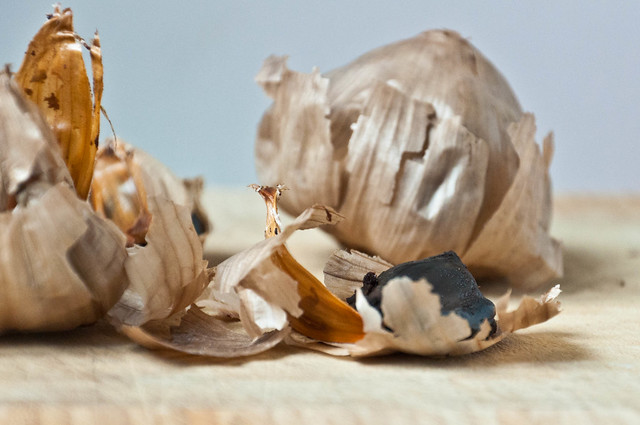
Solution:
(179, 75)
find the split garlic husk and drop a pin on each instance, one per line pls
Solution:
(254, 299)
(125, 175)
(423, 146)
(62, 265)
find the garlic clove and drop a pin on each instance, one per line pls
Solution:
(417, 201)
(53, 274)
(441, 68)
(447, 277)
(124, 177)
(269, 270)
(324, 316)
(53, 75)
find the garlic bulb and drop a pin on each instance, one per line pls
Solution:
(53, 269)
(424, 148)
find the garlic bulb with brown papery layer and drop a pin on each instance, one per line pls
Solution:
(61, 265)
(423, 147)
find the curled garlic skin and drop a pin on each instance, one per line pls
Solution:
(423, 147)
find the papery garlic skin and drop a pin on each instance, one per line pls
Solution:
(165, 265)
(417, 144)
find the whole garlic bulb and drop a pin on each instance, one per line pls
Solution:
(423, 146)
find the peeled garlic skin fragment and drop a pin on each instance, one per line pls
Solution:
(63, 266)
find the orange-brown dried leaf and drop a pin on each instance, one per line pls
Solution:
(325, 317)
(53, 75)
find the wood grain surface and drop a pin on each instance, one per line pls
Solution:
(582, 367)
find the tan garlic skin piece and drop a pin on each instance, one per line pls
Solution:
(61, 265)
(423, 146)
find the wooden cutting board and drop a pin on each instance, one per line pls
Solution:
(582, 367)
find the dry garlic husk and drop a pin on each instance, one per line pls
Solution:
(256, 297)
(53, 75)
(423, 146)
(165, 265)
(62, 266)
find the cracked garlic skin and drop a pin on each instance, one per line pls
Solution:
(451, 281)
(424, 148)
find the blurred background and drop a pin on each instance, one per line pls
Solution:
(179, 75)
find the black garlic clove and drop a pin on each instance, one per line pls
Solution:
(451, 281)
